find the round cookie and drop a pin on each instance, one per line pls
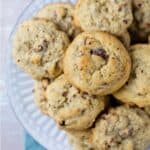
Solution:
(38, 48)
(125, 39)
(71, 108)
(97, 63)
(113, 16)
(62, 14)
(137, 89)
(122, 128)
(81, 140)
(40, 95)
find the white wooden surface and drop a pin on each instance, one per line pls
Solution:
(11, 132)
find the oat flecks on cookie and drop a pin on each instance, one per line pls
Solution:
(97, 63)
(40, 99)
(81, 140)
(122, 128)
(113, 16)
(71, 108)
(38, 48)
(75, 72)
(140, 28)
(62, 14)
(137, 89)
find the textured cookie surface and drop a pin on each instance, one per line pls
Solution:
(97, 63)
(81, 140)
(125, 39)
(40, 95)
(62, 14)
(70, 108)
(113, 16)
(147, 110)
(137, 89)
(38, 48)
(142, 13)
(140, 27)
(122, 129)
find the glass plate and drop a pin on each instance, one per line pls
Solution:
(20, 92)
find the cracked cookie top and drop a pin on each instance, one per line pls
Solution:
(97, 63)
(71, 108)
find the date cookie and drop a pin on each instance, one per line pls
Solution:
(122, 128)
(97, 63)
(38, 48)
(113, 16)
(81, 140)
(137, 89)
(71, 108)
(62, 14)
(40, 94)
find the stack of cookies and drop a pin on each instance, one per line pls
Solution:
(91, 66)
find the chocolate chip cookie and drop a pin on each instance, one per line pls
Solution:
(113, 16)
(97, 63)
(122, 128)
(62, 14)
(38, 48)
(137, 89)
(71, 108)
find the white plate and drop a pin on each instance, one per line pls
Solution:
(20, 87)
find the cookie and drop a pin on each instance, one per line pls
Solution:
(81, 140)
(97, 63)
(137, 89)
(40, 96)
(122, 128)
(62, 14)
(71, 108)
(38, 48)
(113, 16)
(147, 110)
(138, 35)
(141, 25)
(125, 39)
(142, 13)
